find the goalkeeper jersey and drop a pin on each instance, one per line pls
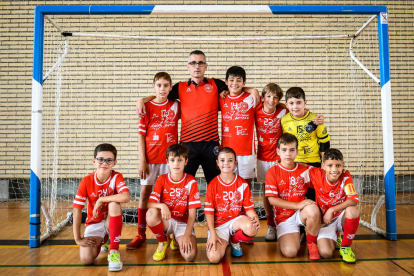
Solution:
(309, 136)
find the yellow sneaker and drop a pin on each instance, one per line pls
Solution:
(160, 255)
(174, 244)
(347, 255)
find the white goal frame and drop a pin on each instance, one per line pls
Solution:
(378, 12)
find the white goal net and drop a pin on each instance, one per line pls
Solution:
(109, 62)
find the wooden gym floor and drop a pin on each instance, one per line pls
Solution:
(60, 255)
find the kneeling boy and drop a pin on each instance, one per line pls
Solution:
(285, 186)
(104, 189)
(337, 198)
(172, 207)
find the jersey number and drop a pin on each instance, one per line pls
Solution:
(175, 192)
(228, 195)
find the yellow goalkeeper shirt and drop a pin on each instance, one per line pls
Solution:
(309, 136)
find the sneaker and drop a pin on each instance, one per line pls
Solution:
(236, 250)
(313, 252)
(160, 255)
(347, 255)
(137, 242)
(174, 244)
(105, 245)
(339, 241)
(114, 260)
(271, 234)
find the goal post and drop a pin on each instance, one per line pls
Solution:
(37, 82)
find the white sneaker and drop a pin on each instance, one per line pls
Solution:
(105, 247)
(271, 234)
(114, 260)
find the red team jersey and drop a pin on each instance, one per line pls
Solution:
(199, 118)
(328, 194)
(288, 184)
(160, 127)
(227, 201)
(179, 196)
(90, 188)
(268, 130)
(237, 127)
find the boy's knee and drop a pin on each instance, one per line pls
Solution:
(152, 215)
(351, 212)
(189, 257)
(88, 260)
(325, 253)
(289, 251)
(312, 211)
(249, 230)
(114, 209)
(214, 257)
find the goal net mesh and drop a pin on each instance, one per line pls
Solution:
(90, 97)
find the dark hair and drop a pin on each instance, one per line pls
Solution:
(274, 89)
(162, 75)
(105, 147)
(177, 150)
(333, 154)
(197, 52)
(295, 92)
(236, 71)
(227, 150)
(287, 138)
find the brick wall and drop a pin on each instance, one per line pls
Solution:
(109, 75)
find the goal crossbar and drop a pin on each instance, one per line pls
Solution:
(37, 82)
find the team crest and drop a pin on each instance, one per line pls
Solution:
(170, 115)
(208, 87)
(244, 106)
(216, 150)
(309, 128)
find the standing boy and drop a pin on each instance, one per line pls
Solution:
(158, 129)
(172, 207)
(337, 199)
(104, 189)
(286, 185)
(237, 127)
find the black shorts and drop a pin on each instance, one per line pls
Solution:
(204, 154)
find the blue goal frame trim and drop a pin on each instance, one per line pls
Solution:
(37, 83)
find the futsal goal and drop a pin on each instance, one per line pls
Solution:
(92, 63)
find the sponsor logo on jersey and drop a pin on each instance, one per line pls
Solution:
(226, 117)
(225, 105)
(260, 139)
(282, 182)
(241, 131)
(155, 137)
(218, 196)
(170, 138)
(208, 87)
(188, 89)
(80, 197)
(154, 116)
(226, 128)
(93, 195)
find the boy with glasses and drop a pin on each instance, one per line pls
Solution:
(105, 190)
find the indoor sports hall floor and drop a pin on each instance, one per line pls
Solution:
(60, 255)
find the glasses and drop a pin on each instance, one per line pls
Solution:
(108, 161)
(200, 63)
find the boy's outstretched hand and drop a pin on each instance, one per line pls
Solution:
(211, 242)
(327, 217)
(319, 120)
(255, 222)
(87, 242)
(305, 203)
(165, 212)
(186, 245)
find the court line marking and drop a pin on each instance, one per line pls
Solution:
(192, 264)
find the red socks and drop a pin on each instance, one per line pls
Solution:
(311, 239)
(142, 222)
(239, 236)
(158, 231)
(115, 229)
(350, 228)
(271, 221)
